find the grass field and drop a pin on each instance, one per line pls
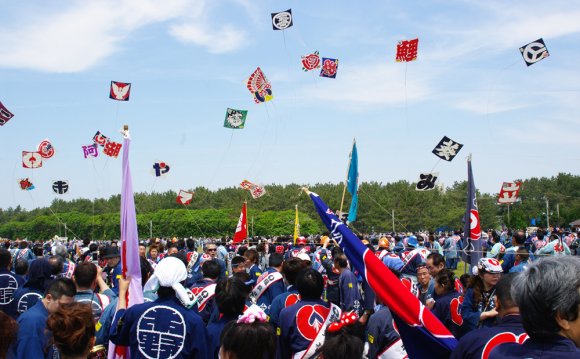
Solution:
(460, 269)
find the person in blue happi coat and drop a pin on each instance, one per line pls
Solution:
(290, 270)
(479, 343)
(276, 285)
(548, 295)
(33, 339)
(164, 327)
(113, 269)
(300, 325)
(230, 297)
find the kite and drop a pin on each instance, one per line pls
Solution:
(282, 20)
(427, 181)
(257, 191)
(112, 149)
(184, 197)
(311, 61)
(235, 118)
(60, 187)
(45, 149)
(509, 193)
(246, 184)
(100, 139)
(25, 184)
(5, 115)
(160, 169)
(259, 86)
(329, 68)
(534, 52)
(91, 150)
(447, 149)
(120, 91)
(407, 50)
(31, 159)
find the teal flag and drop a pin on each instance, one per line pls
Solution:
(353, 183)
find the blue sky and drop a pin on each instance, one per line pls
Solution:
(188, 60)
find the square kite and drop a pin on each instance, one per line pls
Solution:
(447, 149)
(311, 61)
(31, 159)
(246, 184)
(258, 191)
(5, 115)
(112, 149)
(235, 118)
(184, 197)
(407, 50)
(509, 193)
(282, 20)
(100, 139)
(259, 86)
(534, 52)
(329, 68)
(120, 91)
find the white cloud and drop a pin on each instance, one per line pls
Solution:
(226, 40)
(370, 84)
(494, 27)
(86, 32)
(490, 105)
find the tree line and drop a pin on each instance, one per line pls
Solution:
(216, 213)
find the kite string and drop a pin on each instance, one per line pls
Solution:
(261, 143)
(54, 214)
(94, 198)
(153, 185)
(406, 107)
(491, 91)
(14, 176)
(381, 207)
(195, 222)
(269, 154)
(222, 157)
(436, 164)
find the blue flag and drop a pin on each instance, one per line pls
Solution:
(423, 335)
(353, 183)
(472, 227)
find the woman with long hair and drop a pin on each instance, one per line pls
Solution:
(446, 300)
(478, 308)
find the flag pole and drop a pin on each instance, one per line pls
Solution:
(246, 206)
(346, 179)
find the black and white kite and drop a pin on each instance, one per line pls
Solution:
(60, 187)
(447, 149)
(427, 181)
(534, 52)
(282, 20)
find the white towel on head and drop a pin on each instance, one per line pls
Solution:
(170, 272)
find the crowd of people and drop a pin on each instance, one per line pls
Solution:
(288, 298)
